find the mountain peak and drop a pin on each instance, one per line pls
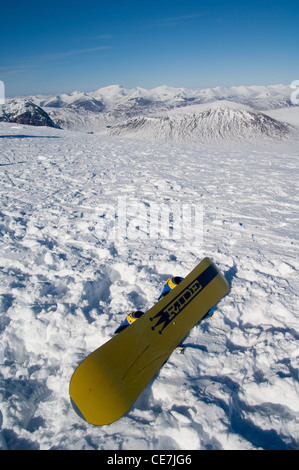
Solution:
(110, 92)
(216, 123)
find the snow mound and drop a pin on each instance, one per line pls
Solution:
(214, 123)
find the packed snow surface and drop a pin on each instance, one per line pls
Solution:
(66, 284)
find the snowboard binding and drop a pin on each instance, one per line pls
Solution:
(131, 317)
(169, 285)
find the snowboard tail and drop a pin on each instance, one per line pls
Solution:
(107, 383)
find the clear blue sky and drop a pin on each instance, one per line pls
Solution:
(66, 45)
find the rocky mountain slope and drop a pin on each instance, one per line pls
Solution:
(25, 112)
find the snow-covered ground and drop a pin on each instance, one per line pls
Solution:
(65, 286)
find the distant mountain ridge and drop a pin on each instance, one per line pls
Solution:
(110, 98)
(115, 103)
(163, 112)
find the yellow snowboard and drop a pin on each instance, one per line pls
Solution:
(107, 383)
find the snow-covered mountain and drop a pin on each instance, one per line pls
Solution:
(217, 122)
(114, 98)
(75, 100)
(25, 112)
(114, 104)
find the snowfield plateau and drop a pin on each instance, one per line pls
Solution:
(66, 285)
